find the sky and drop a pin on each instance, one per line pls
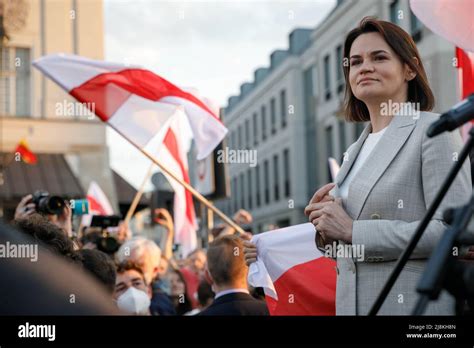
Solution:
(211, 46)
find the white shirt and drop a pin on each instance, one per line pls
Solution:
(369, 144)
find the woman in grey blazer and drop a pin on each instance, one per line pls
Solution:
(389, 176)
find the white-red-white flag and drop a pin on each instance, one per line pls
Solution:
(296, 277)
(98, 203)
(134, 101)
(172, 154)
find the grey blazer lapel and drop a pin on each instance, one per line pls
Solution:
(351, 155)
(387, 148)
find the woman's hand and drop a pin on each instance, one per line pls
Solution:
(332, 221)
(316, 203)
(321, 195)
(250, 252)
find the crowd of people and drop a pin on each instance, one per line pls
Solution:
(142, 279)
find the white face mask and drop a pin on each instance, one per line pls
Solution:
(134, 301)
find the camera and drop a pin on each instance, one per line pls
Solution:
(47, 204)
(101, 233)
(54, 205)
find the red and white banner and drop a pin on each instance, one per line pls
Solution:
(173, 155)
(296, 277)
(466, 71)
(450, 19)
(466, 81)
(134, 101)
(98, 203)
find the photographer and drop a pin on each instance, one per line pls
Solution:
(50, 235)
(29, 205)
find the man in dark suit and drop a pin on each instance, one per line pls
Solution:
(227, 272)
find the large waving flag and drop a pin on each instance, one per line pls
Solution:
(134, 101)
(172, 154)
(296, 277)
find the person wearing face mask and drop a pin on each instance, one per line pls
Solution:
(132, 293)
(147, 256)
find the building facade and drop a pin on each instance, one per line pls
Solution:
(291, 114)
(34, 108)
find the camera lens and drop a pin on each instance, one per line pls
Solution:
(54, 205)
(108, 245)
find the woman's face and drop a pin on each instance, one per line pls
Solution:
(376, 73)
(177, 285)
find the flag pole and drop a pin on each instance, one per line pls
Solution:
(138, 195)
(187, 186)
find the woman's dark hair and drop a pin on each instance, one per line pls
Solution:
(403, 45)
(49, 235)
(185, 306)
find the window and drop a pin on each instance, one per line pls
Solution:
(283, 108)
(266, 176)
(339, 69)
(394, 12)
(242, 191)
(273, 115)
(359, 128)
(342, 135)
(257, 184)
(276, 178)
(255, 129)
(308, 92)
(234, 193)
(247, 134)
(329, 147)
(239, 136)
(249, 185)
(315, 80)
(264, 123)
(15, 81)
(416, 27)
(286, 171)
(327, 78)
(233, 143)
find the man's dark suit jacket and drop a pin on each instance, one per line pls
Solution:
(237, 303)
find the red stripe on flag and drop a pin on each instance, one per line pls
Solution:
(306, 289)
(172, 145)
(95, 206)
(109, 91)
(466, 65)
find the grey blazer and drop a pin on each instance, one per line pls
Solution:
(387, 199)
